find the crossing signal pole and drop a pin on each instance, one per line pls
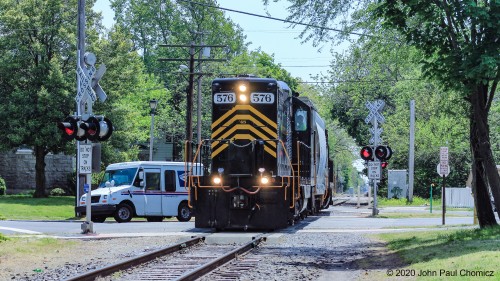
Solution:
(83, 125)
(380, 152)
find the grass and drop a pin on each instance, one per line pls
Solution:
(417, 201)
(448, 252)
(15, 207)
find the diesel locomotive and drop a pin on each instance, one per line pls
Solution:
(267, 162)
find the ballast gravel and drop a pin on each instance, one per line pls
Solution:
(294, 256)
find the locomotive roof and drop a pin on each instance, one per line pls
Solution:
(253, 79)
(308, 102)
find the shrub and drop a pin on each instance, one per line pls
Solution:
(57, 192)
(3, 187)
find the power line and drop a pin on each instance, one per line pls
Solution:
(276, 19)
(358, 81)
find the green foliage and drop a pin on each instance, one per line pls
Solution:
(3, 187)
(37, 43)
(3, 238)
(57, 192)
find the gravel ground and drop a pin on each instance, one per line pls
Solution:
(80, 257)
(294, 256)
(306, 256)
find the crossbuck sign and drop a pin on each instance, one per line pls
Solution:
(375, 109)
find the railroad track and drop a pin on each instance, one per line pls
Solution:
(188, 260)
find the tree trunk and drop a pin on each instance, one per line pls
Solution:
(40, 172)
(483, 163)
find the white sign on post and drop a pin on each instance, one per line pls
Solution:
(443, 171)
(374, 170)
(444, 168)
(85, 159)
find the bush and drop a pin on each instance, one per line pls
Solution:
(3, 187)
(57, 192)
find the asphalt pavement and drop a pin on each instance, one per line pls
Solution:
(344, 218)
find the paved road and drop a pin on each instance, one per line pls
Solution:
(335, 219)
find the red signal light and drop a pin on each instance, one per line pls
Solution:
(383, 152)
(69, 131)
(97, 130)
(384, 165)
(69, 128)
(366, 153)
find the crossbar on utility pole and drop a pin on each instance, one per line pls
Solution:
(190, 90)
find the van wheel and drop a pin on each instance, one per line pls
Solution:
(154, 219)
(123, 213)
(184, 212)
(98, 218)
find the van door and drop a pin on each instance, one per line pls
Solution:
(152, 192)
(171, 199)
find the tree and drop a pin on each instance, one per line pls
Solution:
(37, 43)
(460, 41)
(129, 89)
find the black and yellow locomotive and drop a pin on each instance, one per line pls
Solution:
(266, 163)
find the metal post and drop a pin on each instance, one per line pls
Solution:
(431, 199)
(87, 226)
(151, 136)
(443, 198)
(411, 158)
(375, 144)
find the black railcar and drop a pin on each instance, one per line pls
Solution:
(266, 163)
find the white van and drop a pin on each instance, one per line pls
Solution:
(150, 189)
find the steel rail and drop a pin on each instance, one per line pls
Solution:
(108, 270)
(208, 267)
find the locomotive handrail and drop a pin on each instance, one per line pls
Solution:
(299, 143)
(191, 177)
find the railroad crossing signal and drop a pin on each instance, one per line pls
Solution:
(383, 152)
(70, 128)
(88, 86)
(366, 153)
(375, 109)
(93, 129)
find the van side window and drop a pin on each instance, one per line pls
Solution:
(153, 181)
(170, 181)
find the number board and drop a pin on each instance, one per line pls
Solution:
(262, 98)
(222, 98)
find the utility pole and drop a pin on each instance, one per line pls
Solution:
(411, 158)
(189, 99)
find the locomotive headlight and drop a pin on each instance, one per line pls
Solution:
(217, 180)
(264, 180)
(243, 98)
(242, 88)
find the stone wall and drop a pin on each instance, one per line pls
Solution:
(18, 170)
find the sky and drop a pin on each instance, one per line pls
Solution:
(273, 37)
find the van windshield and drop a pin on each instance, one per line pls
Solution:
(121, 177)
